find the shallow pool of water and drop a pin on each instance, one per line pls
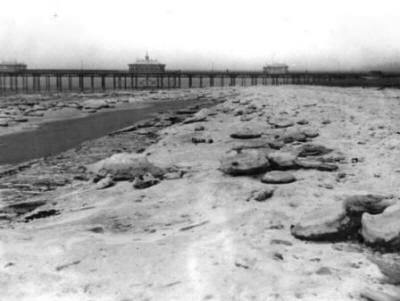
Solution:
(55, 137)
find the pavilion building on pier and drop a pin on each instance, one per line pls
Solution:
(276, 69)
(12, 67)
(147, 66)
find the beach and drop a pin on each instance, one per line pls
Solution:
(220, 203)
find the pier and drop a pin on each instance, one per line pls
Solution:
(65, 80)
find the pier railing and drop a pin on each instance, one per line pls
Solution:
(87, 80)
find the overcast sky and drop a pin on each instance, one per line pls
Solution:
(223, 34)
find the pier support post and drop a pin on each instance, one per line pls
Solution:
(119, 83)
(92, 82)
(136, 82)
(201, 82)
(48, 88)
(190, 81)
(58, 83)
(162, 81)
(103, 82)
(131, 81)
(174, 81)
(3, 83)
(125, 86)
(16, 82)
(222, 81)
(11, 82)
(114, 82)
(232, 82)
(70, 82)
(38, 82)
(81, 86)
(211, 81)
(23, 83)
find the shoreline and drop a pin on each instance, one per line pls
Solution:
(70, 106)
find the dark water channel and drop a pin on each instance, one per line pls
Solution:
(55, 137)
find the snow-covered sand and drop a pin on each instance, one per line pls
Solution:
(200, 237)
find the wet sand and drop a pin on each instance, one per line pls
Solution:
(53, 137)
(20, 113)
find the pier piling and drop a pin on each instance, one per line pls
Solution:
(30, 80)
(81, 84)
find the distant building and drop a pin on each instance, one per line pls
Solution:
(147, 66)
(276, 69)
(12, 67)
(376, 73)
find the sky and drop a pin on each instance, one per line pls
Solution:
(202, 34)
